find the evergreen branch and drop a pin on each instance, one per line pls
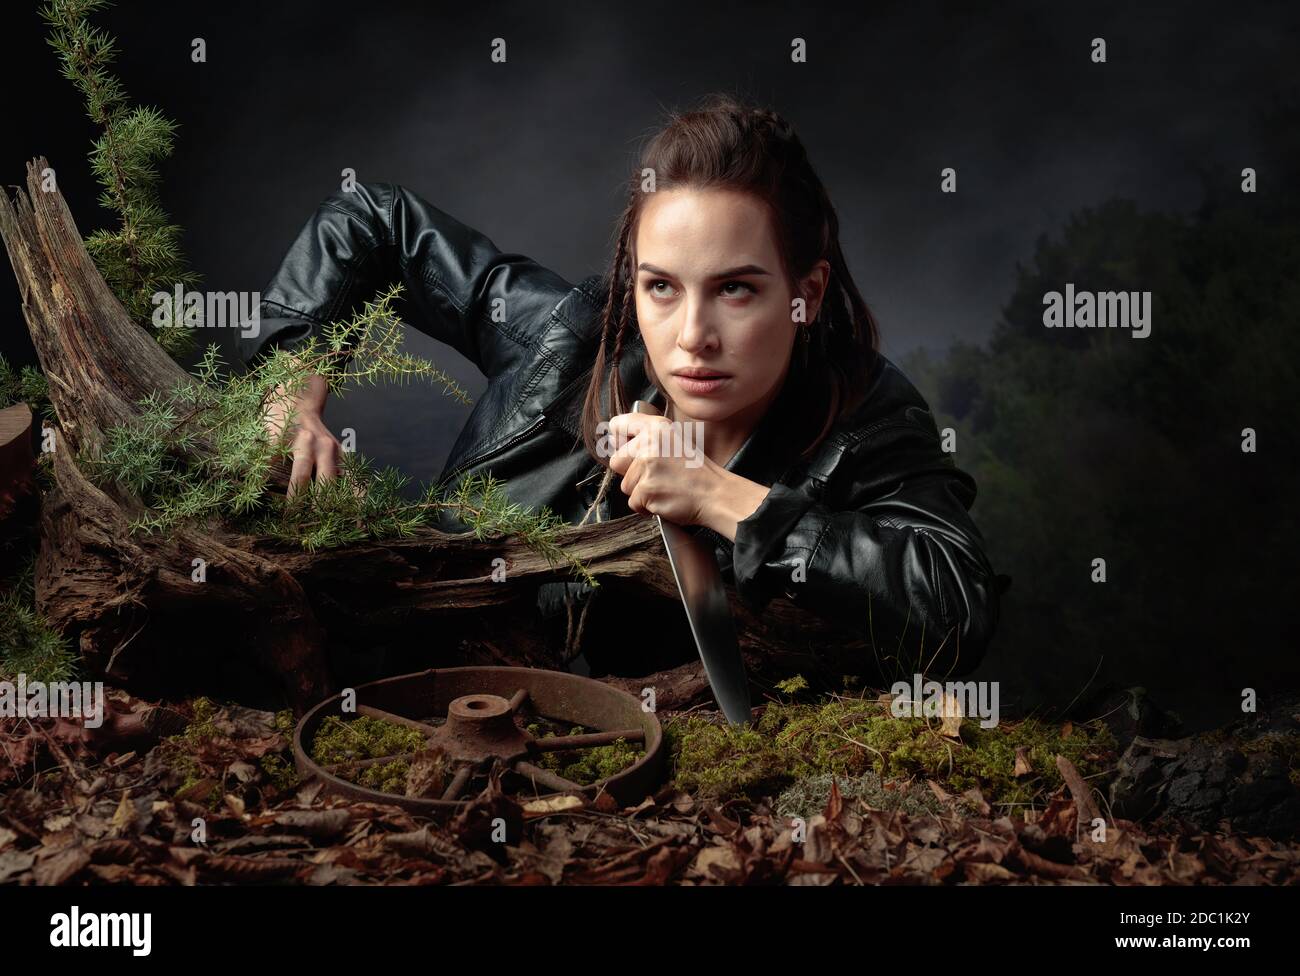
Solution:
(481, 503)
(143, 256)
(200, 452)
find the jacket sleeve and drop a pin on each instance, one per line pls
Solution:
(898, 559)
(358, 242)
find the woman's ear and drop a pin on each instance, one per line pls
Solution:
(813, 287)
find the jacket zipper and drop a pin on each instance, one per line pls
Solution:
(860, 435)
(504, 445)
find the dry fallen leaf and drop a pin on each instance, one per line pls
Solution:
(834, 804)
(124, 817)
(951, 712)
(717, 861)
(940, 793)
(59, 868)
(321, 824)
(427, 775)
(1023, 767)
(552, 804)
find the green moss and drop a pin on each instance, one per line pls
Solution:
(338, 741)
(792, 686)
(281, 771)
(284, 723)
(718, 760)
(1284, 745)
(282, 774)
(586, 766)
(202, 725)
(389, 777)
(601, 762)
(181, 749)
(852, 737)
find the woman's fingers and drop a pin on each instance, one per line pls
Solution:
(300, 473)
(626, 427)
(326, 461)
(631, 477)
(644, 439)
(623, 457)
(313, 452)
(622, 426)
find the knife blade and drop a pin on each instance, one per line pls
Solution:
(704, 596)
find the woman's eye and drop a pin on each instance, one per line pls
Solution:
(744, 288)
(731, 289)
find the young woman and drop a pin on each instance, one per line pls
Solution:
(727, 306)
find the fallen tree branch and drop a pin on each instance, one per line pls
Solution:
(203, 600)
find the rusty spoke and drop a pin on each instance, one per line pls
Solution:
(410, 723)
(363, 763)
(547, 778)
(563, 743)
(458, 782)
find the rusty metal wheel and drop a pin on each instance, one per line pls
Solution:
(475, 717)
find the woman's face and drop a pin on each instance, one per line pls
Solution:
(711, 296)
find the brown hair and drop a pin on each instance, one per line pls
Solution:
(727, 144)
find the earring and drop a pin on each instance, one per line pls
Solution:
(805, 340)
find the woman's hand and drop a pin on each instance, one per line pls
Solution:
(315, 449)
(665, 476)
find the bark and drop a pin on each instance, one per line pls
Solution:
(144, 612)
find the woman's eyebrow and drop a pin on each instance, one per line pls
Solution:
(744, 269)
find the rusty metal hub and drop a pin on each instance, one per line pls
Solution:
(475, 717)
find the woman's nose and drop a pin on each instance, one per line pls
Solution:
(697, 330)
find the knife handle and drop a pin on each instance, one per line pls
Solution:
(643, 406)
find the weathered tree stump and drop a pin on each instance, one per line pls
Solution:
(132, 602)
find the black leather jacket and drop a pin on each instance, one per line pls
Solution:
(876, 522)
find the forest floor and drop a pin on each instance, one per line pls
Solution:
(198, 793)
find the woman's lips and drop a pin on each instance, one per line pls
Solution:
(701, 386)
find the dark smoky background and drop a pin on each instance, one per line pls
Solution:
(1118, 175)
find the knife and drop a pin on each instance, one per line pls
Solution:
(704, 596)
